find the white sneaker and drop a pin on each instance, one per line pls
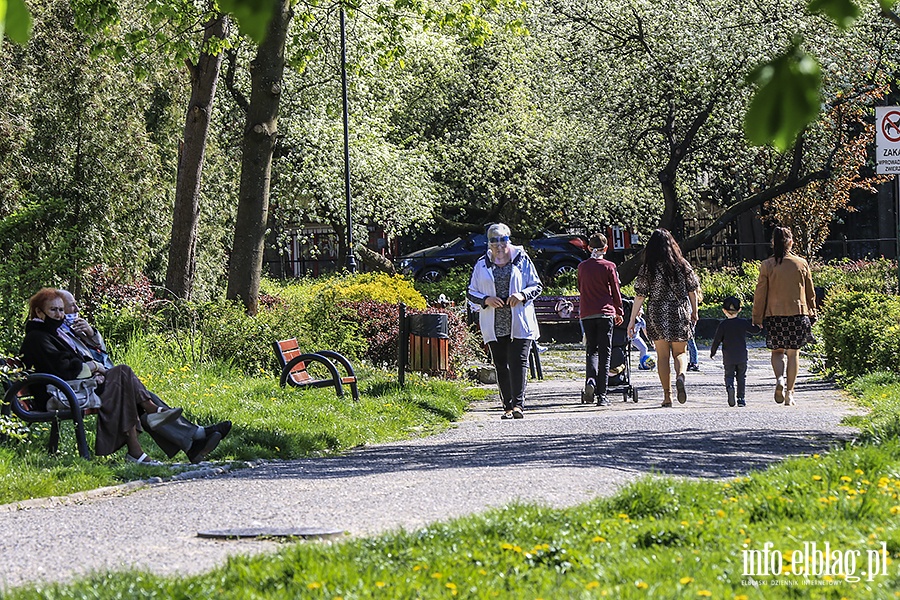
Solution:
(143, 460)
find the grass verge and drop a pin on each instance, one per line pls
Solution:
(269, 423)
(755, 536)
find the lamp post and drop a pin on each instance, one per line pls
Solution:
(351, 261)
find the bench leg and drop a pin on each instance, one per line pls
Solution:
(53, 442)
(80, 437)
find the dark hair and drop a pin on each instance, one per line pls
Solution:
(39, 300)
(732, 304)
(781, 240)
(598, 241)
(663, 253)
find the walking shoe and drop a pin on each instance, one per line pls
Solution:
(201, 448)
(730, 396)
(693, 367)
(679, 388)
(779, 390)
(741, 402)
(517, 413)
(789, 398)
(507, 415)
(602, 401)
(222, 427)
(163, 416)
(587, 394)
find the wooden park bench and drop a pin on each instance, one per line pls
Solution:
(19, 400)
(556, 309)
(294, 369)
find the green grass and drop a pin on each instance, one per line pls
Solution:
(658, 538)
(269, 423)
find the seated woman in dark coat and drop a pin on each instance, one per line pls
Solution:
(123, 397)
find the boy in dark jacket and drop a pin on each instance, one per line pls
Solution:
(732, 335)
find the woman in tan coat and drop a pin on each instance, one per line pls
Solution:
(785, 304)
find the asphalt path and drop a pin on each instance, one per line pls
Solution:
(562, 453)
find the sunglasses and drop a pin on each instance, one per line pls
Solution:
(499, 240)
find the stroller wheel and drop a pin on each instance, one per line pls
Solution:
(634, 394)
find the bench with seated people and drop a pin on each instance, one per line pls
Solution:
(556, 309)
(19, 400)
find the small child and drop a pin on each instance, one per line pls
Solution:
(732, 334)
(646, 362)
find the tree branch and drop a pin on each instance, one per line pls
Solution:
(239, 98)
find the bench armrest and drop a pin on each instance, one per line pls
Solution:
(340, 358)
(312, 357)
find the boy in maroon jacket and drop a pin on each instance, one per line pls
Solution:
(600, 309)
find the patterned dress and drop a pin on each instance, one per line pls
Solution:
(668, 305)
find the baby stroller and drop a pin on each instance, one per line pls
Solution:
(619, 375)
(620, 357)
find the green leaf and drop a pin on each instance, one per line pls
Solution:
(887, 4)
(2, 20)
(842, 12)
(18, 22)
(253, 16)
(786, 101)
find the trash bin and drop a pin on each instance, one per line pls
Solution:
(429, 343)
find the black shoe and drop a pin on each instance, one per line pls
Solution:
(602, 401)
(693, 367)
(223, 428)
(201, 448)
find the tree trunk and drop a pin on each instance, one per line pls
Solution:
(260, 134)
(186, 215)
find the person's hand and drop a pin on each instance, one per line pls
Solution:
(98, 368)
(516, 299)
(493, 302)
(694, 317)
(618, 320)
(82, 327)
(631, 329)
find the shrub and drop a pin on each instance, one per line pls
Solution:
(729, 281)
(379, 287)
(453, 286)
(860, 332)
(379, 324)
(860, 275)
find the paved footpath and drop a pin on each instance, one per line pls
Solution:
(562, 453)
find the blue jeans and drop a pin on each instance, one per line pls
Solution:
(510, 357)
(598, 334)
(738, 371)
(692, 350)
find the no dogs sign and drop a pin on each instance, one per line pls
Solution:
(887, 139)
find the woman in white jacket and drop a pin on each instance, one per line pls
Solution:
(504, 285)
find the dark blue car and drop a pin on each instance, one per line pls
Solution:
(553, 254)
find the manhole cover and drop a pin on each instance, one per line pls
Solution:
(272, 532)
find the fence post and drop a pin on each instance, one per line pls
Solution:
(402, 347)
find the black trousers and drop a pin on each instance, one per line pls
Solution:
(736, 371)
(510, 357)
(598, 334)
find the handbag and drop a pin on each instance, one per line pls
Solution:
(85, 395)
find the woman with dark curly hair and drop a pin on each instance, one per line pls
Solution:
(785, 304)
(669, 285)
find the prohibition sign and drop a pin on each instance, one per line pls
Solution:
(890, 126)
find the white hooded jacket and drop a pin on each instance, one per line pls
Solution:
(523, 279)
